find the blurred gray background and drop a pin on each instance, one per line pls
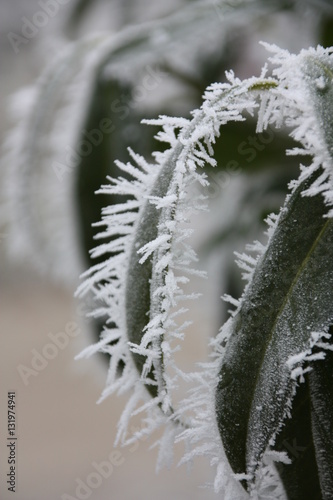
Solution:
(61, 430)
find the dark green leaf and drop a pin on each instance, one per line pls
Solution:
(319, 77)
(289, 296)
(139, 275)
(300, 478)
(321, 390)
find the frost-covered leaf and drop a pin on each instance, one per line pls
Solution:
(288, 297)
(318, 72)
(321, 391)
(152, 283)
(273, 334)
(38, 183)
(300, 476)
(141, 286)
(139, 274)
(307, 434)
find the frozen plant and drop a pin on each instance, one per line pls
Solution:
(261, 409)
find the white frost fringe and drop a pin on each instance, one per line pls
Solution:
(287, 103)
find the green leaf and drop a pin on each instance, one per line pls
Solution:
(138, 293)
(319, 78)
(321, 390)
(308, 436)
(289, 297)
(311, 471)
(300, 478)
